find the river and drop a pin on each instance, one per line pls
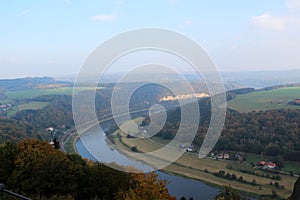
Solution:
(178, 186)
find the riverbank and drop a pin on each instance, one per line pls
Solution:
(206, 170)
(191, 167)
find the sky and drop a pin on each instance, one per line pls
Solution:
(54, 37)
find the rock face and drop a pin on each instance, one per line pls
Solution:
(296, 192)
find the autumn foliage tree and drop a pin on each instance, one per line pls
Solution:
(146, 187)
(37, 170)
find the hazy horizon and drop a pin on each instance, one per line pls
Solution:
(73, 75)
(53, 38)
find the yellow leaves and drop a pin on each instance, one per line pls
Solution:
(31, 151)
(146, 187)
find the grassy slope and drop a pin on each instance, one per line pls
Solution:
(265, 100)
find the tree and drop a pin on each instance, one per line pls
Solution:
(241, 179)
(37, 170)
(41, 169)
(279, 161)
(54, 175)
(274, 194)
(146, 187)
(8, 153)
(102, 182)
(228, 194)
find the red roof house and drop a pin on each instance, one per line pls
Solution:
(271, 165)
(262, 163)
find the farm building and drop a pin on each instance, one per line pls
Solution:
(269, 165)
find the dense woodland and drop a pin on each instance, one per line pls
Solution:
(39, 171)
(271, 132)
(13, 130)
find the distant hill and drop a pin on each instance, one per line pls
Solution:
(30, 83)
(262, 79)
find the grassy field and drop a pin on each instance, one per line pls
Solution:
(288, 165)
(292, 166)
(265, 100)
(191, 166)
(38, 92)
(33, 105)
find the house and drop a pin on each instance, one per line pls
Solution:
(220, 156)
(262, 163)
(297, 101)
(267, 165)
(271, 165)
(226, 156)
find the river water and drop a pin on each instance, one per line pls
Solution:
(92, 145)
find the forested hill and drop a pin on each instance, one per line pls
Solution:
(13, 130)
(29, 83)
(272, 132)
(58, 115)
(31, 123)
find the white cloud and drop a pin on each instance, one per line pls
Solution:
(293, 4)
(269, 21)
(24, 12)
(104, 17)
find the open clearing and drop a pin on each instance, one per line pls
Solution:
(265, 100)
(33, 105)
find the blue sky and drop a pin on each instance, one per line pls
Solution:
(55, 37)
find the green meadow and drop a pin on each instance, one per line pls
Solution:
(265, 100)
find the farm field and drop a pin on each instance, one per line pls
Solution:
(38, 92)
(265, 100)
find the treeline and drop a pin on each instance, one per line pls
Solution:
(39, 171)
(272, 132)
(279, 86)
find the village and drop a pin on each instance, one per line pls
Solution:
(238, 157)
